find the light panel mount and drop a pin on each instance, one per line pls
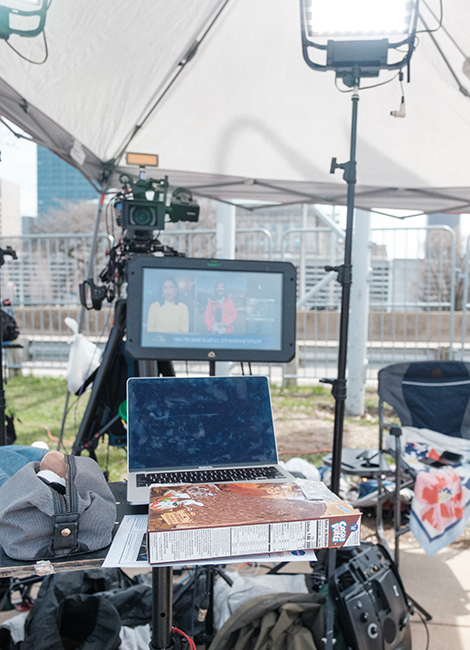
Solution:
(353, 55)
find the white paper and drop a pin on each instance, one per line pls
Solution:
(129, 549)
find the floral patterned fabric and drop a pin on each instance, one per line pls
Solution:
(441, 503)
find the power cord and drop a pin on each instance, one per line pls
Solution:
(46, 55)
(423, 621)
(192, 645)
(402, 110)
(350, 90)
(439, 20)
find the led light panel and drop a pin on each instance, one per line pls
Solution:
(356, 17)
(21, 5)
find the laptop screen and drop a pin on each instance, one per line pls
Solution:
(206, 421)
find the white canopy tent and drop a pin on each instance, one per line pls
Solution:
(219, 90)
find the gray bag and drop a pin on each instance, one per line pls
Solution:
(36, 522)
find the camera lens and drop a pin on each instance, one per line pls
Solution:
(143, 217)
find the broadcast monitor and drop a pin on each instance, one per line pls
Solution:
(204, 309)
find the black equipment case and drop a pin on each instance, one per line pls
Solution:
(373, 609)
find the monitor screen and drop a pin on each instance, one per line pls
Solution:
(221, 310)
(176, 422)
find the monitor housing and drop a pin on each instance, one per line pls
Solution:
(221, 310)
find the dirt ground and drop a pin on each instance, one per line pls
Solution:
(306, 430)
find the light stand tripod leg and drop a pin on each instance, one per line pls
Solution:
(62, 424)
(114, 341)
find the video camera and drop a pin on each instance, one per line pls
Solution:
(140, 208)
(140, 216)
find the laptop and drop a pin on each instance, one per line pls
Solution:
(199, 430)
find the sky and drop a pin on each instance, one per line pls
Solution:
(18, 164)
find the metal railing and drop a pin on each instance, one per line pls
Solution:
(418, 291)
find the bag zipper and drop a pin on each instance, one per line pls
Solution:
(71, 498)
(67, 502)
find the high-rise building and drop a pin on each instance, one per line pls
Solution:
(10, 216)
(58, 182)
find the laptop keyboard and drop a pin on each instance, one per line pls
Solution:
(231, 475)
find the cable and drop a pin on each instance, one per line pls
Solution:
(108, 218)
(248, 568)
(439, 20)
(46, 56)
(402, 110)
(192, 645)
(350, 90)
(423, 621)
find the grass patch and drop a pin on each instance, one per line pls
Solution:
(302, 397)
(38, 406)
(314, 459)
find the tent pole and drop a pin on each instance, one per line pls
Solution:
(357, 348)
(91, 261)
(91, 268)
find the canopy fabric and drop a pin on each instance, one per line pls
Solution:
(240, 116)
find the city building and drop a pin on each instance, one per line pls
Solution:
(59, 182)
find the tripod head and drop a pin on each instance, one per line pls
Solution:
(114, 275)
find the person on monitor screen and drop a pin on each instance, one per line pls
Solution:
(220, 311)
(168, 314)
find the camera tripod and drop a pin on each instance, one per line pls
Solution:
(97, 420)
(3, 431)
(109, 387)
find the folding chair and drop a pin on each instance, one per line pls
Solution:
(432, 396)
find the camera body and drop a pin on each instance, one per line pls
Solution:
(140, 211)
(140, 218)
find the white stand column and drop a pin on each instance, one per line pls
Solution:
(225, 249)
(359, 315)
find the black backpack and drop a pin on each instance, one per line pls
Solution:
(10, 329)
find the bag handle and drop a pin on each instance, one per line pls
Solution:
(66, 517)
